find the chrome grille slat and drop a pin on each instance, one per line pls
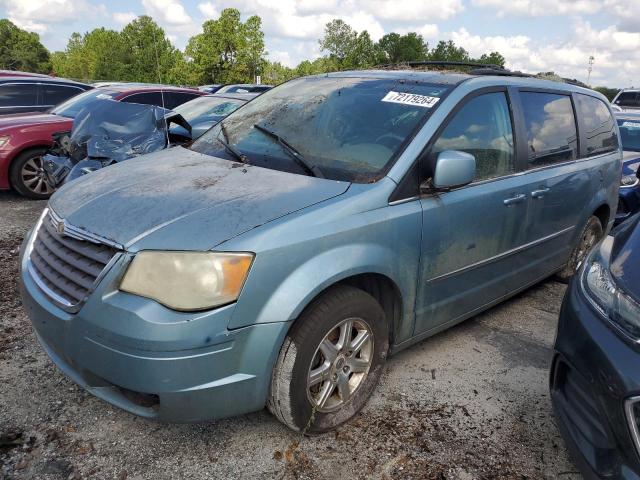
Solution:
(55, 281)
(81, 279)
(90, 267)
(67, 267)
(95, 251)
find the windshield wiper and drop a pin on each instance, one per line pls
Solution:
(312, 170)
(241, 157)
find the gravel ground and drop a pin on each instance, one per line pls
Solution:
(469, 403)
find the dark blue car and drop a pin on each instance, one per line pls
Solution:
(629, 202)
(595, 380)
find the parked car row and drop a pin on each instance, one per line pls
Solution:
(235, 88)
(25, 137)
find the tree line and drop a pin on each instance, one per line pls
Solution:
(227, 50)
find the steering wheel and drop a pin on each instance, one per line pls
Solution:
(389, 137)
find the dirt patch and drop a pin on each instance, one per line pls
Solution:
(205, 182)
(9, 296)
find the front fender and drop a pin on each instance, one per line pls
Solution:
(301, 257)
(328, 268)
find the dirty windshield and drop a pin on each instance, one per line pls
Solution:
(338, 128)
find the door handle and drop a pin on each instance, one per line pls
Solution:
(513, 200)
(540, 193)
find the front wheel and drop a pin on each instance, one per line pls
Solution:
(330, 362)
(27, 175)
(590, 236)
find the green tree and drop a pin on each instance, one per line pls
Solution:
(448, 52)
(150, 56)
(107, 54)
(610, 93)
(363, 53)
(275, 73)
(339, 40)
(403, 48)
(228, 50)
(494, 58)
(22, 50)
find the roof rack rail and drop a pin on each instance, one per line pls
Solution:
(500, 71)
(441, 63)
(478, 68)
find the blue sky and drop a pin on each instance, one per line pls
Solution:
(533, 35)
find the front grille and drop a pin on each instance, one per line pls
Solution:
(67, 268)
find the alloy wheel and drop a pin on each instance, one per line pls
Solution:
(33, 176)
(340, 364)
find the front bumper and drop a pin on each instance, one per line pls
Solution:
(152, 361)
(594, 371)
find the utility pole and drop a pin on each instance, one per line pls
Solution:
(591, 59)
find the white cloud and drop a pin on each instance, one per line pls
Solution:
(38, 15)
(537, 8)
(124, 17)
(513, 48)
(617, 53)
(429, 31)
(170, 12)
(281, 56)
(410, 10)
(209, 10)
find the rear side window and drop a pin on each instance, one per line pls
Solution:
(55, 94)
(18, 95)
(600, 133)
(174, 99)
(147, 98)
(628, 99)
(482, 127)
(551, 128)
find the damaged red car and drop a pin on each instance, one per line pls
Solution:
(24, 139)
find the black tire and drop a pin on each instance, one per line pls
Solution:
(25, 176)
(290, 396)
(589, 237)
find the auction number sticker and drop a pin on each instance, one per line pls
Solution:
(631, 124)
(410, 99)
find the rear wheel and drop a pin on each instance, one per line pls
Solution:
(27, 175)
(590, 236)
(330, 362)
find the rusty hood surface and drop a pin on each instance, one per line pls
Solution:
(177, 199)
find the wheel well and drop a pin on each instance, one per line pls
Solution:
(603, 212)
(385, 291)
(20, 153)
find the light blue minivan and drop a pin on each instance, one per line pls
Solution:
(330, 222)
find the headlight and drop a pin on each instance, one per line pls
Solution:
(187, 281)
(601, 289)
(629, 181)
(4, 139)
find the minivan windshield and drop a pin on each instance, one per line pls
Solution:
(630, 134)
(341, 128)
(72, 107)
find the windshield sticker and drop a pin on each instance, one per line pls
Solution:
(103, 96)
(631, 124)
(410, 99)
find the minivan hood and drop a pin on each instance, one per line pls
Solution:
(178, 199)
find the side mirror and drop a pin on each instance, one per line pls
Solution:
(453, 169)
